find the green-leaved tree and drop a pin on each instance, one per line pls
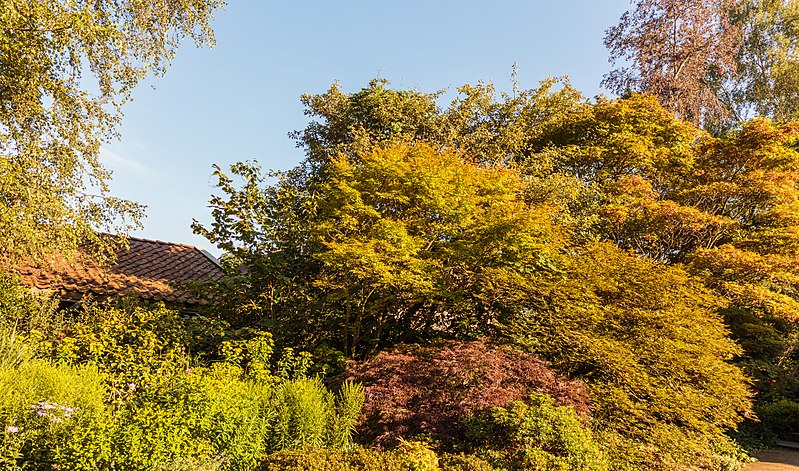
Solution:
(66, 68)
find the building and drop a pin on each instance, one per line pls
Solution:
(151, 270)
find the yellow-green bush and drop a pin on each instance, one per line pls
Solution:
(56, 417)
(218, 414)
(123, 392)
(51, 415)
(535, 437)
(134, 344)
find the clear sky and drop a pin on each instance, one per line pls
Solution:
(240, 99)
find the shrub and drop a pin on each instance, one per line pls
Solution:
(357, 459)
(775, 419)
(51, 415)
(781, 416)
(417, 456)
(154, 406)
(133, 344)
(31, 315)
(192, 416)
(537, 436)
(217, 415)
(306, 414)
(648, 341)
(413, 390)
(463, 462)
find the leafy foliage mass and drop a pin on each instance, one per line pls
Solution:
(394, 245)
(120, 391)
(67, 68)
(583, 233)
(538, 435)
(414, 391)
(411, 456)
(529, 281)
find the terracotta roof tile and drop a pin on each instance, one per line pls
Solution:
(151, 269)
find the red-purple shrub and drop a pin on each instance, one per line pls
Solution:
(413, 390)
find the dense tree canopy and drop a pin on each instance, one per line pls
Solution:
(727, 208)
(393, 245)
(649, 341)
(65, 70)
(493, 131)
(564, 227)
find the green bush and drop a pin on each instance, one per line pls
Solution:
(211, 419)
(463, 462)
(32, 316)
(134, 344)
(539, 436)
(781, 416)
(217, 414)
(775, 419)
(192, 416)
(126, 394)
(306, 414)
(357, 459)
(52, 416)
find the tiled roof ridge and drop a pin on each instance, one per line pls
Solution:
(206, 253)
(164, 242)
(210, 257)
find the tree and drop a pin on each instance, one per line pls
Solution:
(398, 244)
(497, 220)
(723, 208)
(264, 223)
(681, 51)
(406, 244)
(714, 62)
(54, 117)
(769, 71)
(492, 129)
(650, 343)
(660, 187)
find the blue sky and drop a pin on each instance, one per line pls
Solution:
(240, 99)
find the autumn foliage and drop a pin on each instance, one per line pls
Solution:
(571, 231)
(529, 281)
(413, 390)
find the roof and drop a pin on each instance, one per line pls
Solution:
(150, 269)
